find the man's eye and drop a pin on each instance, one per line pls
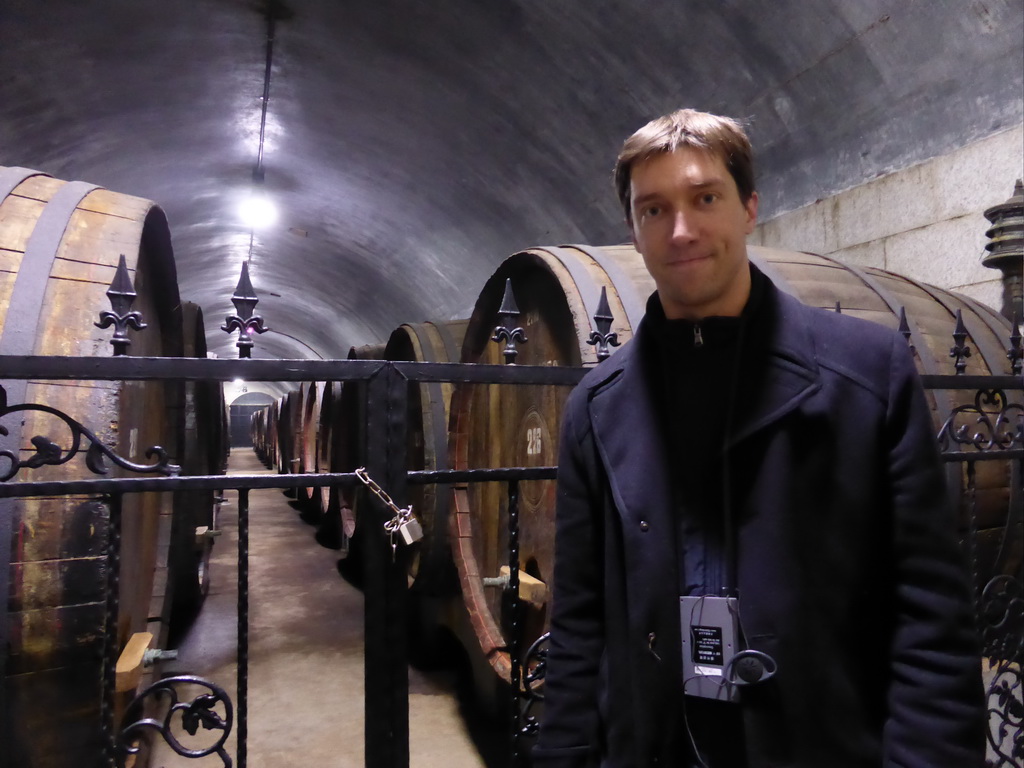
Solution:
(708, 198)
(652, 210)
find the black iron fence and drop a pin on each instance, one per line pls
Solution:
(386, 655)
(991, 428)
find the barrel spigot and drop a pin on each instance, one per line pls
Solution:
(154, 655)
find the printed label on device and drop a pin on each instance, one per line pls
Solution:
(707, 645)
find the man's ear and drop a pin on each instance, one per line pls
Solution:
(751, 208)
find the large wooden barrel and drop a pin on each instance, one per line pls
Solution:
(258, 433)
(59, 248)
(348, 441)
(264, 434)
(427, 447)
(309, 498)
(557, 290)
(330, 402)
(204, 446)
(280, 438)
(289, 435)
(273, 433)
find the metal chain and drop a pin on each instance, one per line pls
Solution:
(401, 515)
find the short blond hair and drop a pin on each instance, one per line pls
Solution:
(722, 136)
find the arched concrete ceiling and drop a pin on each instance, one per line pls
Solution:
(412, 145)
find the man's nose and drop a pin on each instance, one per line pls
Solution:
(683, 227)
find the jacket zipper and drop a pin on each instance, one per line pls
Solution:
(698, 340)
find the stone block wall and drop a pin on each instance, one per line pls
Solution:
(925, 222)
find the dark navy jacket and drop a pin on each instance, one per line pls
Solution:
(849, 573)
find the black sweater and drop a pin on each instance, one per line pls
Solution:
(701, 370)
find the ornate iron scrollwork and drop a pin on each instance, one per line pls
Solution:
(1006, 717)
(200, 711)
(996, 425)
(48, 452)
(1002, 611)
(535, 668)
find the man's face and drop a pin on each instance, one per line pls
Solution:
(690, 225)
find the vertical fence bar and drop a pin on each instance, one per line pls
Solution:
(9, 442)
(971, 503)
(12, 391)
(110, 627)
(515, 640)
(242, 687)
(378, 704)
(386, 674)
(397, 578)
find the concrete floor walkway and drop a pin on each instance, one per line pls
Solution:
(306, 653)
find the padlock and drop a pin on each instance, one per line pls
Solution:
(410, 530)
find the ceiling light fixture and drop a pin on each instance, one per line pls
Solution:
(271, 14)
(257, 210)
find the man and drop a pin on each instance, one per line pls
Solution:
(755, 556)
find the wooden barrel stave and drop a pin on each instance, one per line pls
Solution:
(58, 721)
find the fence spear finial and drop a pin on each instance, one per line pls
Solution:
(960, 351)
(603, 338)
(245, 322)
(904, 328)
(122, 295)
(508, 331)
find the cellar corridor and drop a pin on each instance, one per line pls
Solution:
(306, 653)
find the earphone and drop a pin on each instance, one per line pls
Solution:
(749, 668)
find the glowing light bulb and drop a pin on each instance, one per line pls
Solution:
(257, 211)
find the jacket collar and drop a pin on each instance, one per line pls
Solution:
(629, 428)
